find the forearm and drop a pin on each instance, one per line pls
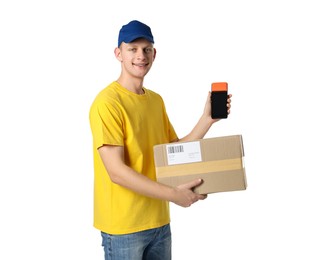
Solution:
(132, 180)
(200, 129)
(205, 121)
(182, 195)
(123, 175)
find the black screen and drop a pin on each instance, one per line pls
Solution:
(219, 104)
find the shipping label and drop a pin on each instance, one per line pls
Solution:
(179, 153)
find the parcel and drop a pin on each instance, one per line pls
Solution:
(218, 161)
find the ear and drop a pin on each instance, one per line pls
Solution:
(154, 53)
(117, 52)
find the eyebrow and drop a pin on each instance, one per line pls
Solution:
(137, 45)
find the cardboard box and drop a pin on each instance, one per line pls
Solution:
(218, 161)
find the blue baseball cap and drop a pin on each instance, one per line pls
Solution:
(134, 30)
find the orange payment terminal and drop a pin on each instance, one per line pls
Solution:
(219, 96)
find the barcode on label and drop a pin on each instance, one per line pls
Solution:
(176, 149)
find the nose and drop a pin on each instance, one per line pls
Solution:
(141, 54)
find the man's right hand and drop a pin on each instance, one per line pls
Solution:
(185, 196)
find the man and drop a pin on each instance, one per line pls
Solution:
(131, 209)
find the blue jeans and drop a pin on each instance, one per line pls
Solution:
(152, 244)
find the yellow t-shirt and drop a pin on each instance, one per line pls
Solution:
(137, 122)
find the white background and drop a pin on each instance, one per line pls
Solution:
(56, 55)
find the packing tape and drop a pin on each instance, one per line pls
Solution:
(199, 167)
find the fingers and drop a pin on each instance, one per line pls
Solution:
(229, 103)
(192, 184)
(188, 195)
(229, 99)
(195, 198)
(203, 196)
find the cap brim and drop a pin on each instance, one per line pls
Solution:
(138, 36)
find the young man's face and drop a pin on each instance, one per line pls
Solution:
(136, 57)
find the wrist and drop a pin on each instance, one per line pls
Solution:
(207, 120)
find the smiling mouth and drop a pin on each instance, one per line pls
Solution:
(141, 65)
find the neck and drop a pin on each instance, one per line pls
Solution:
(134, 85)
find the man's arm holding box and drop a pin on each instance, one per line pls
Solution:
(121, 174)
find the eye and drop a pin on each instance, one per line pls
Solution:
(133, 49)
(148, 50)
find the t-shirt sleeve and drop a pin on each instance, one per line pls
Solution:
(106, 124)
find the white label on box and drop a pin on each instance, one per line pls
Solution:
(180, 153)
